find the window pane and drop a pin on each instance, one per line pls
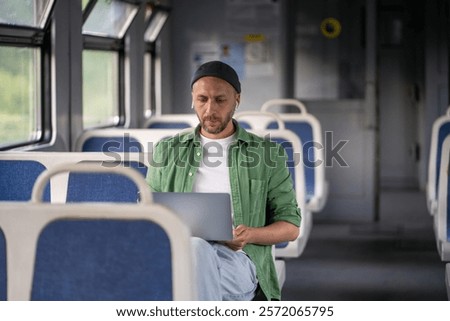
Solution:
(20, 102)
(110, 18)
(153, 30)
(32, 13)
(100, 88)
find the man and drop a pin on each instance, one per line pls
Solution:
(220, 156)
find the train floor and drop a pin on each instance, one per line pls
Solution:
(394, 259)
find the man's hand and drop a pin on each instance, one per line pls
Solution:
(268, 235)
(241, 236)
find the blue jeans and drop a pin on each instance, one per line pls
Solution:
(222, 274)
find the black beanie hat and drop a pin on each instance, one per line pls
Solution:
(220, 70)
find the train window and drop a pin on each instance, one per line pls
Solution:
(110, 18)
(20, 92)
(105, 25)
(31, 13)
(23, 66)
(156, 21)
(100, 88)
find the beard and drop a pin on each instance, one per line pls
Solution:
(214, 125)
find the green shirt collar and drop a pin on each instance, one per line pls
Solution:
(194, 135)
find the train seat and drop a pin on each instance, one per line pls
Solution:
(122, 139)
(89, 263)
(104, 187)
(292, 145)
(308, 129)
(112, 144)
(16, 166)
(57, 192)
(108, 140)
(17, 177)
(98, 251)
(440, 130)
(103, 259)
(442, 216)
(73, 187)
(172, 121)
(258, 120)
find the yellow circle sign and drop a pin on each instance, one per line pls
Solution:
(255, 37)
(331, 28)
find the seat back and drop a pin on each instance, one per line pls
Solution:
(111, 144)
(104, 187)
(304, 131)
(103, 260)
(442, 216)
(122, 139)
(17, 178)
(99, 251)
(172, 121)
(309, 130)
(258, 120)
(440, 130)
(292, 146)
(59, 183)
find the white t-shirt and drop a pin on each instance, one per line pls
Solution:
(213, 174)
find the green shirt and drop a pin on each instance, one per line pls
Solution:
(262, 190)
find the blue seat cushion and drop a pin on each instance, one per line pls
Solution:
(443, 132)
(291, 161)
(103, 260)
(244, 124)
(17, 178)
(169, 125)
(112, 144)
(281, 245)
(83, 187)
(305, 132)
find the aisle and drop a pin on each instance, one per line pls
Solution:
(395, 259)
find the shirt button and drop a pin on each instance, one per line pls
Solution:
(190, 174)
(198, 154)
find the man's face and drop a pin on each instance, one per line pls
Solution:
(215, 101)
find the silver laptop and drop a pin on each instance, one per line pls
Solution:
(208, 215)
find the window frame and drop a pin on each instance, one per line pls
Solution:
(17, 36)
(110, 44)
(152, 103)
(102, 45)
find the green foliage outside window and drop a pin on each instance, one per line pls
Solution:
(19, 94)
